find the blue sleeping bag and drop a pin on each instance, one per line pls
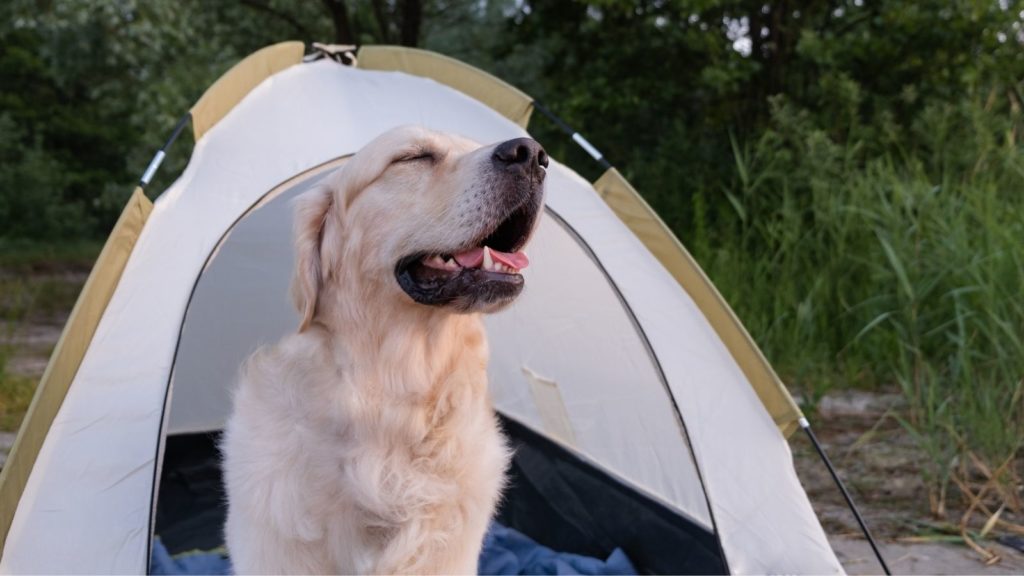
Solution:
(505, 551)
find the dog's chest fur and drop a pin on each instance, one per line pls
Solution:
(377, 469)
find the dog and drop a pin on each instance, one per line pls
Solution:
(366, 443)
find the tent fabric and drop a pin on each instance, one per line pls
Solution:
(572, 505)
(217, 326)
(634, 211)
(230, 88)
(738, 478)
(504, 98)
(67, 355)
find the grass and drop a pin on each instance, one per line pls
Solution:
(15, 395)
(27, 256)
(15, 391)
(902, 267)
(39, 283)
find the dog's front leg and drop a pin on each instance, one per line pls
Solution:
(260, 547)
(272, 528)
(424, 547)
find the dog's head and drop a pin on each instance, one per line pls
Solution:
(422, 217)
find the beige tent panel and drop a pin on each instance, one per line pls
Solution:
(68, 354)
(237, 82)
(652, 231)
(504, 98)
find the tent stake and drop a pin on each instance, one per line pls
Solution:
(806, 426)
(158, 158)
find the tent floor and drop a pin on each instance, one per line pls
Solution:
(553, 497)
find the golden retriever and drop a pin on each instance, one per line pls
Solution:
(366, 442)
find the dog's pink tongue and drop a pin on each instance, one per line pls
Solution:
(474, 258)
(517, 260)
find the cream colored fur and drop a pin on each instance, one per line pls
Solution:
(366, 442)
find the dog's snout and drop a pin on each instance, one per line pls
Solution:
(520, 153)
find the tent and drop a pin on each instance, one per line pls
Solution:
(643, 414)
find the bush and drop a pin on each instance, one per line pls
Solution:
(31, 182)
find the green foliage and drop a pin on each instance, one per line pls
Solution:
(900, 267)
(92, 88)
(31, 181)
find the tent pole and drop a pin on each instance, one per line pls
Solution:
(806, 426)
(158, 158)
(576, 137)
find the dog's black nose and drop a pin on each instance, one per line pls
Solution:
(520, 153)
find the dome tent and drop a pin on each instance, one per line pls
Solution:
(643, 414)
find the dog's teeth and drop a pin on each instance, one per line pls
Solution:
(488, 262)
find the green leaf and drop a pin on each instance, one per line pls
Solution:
(897, 266)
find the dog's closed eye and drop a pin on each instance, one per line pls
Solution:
(418, 155)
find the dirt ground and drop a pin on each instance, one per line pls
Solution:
(874, 455)
(879, 463)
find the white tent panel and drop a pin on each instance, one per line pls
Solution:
(240, 303)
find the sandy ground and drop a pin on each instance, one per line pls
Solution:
(33, 343)
(879, 463)
(922, 558)
(873, 454)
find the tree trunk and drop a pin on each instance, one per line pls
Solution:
(383, 23)
(342, 25)
(411, 21)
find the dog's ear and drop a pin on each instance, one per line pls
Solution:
(311, 213)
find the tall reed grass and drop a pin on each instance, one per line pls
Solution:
(859, 264)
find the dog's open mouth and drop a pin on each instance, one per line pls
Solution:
(483, 272)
